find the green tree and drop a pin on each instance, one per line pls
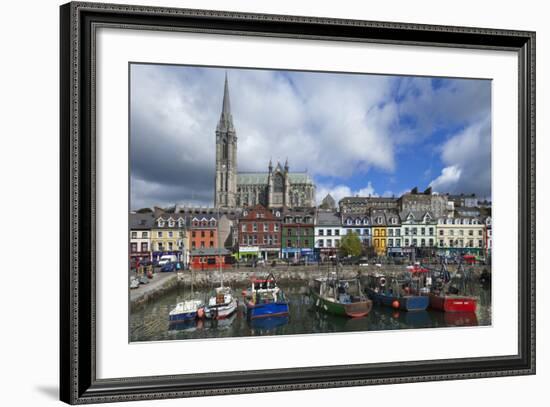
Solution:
(350, 245)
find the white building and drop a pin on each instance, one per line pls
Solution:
(418, 229)
(328, 232)
(360, 224)
(461, 233)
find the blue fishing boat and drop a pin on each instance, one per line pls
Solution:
(264, 299)
(395, 294)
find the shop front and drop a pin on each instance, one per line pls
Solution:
(248, 253)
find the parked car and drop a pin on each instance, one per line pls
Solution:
(169, 267)
(167, 258)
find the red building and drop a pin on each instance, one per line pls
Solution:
(260, 233)
(204, 232)
(209, 259)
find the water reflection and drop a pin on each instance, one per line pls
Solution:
(150, 323)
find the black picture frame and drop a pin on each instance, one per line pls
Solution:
(78, 382)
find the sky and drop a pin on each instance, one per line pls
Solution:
(355, 134)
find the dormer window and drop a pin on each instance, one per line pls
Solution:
(278, 214)
(181, 222)
(357, 221)
(171, 223)
(457, 221)
(161, 223)
(379, 220)
(449, 221)
(349, 221)
(245, 213)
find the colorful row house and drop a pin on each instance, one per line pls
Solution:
(169, 237)
(298, 235)
(259, 233)
(328, 232)
(140, 236)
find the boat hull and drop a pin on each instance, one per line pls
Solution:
(404, 303)
(453, 303)
(182, 317)
(267, 310)
(352, 310)
(221, 311)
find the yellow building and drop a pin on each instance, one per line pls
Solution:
(379, 240)
(168, 236)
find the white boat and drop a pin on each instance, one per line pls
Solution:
(221, 305)
(185, 311)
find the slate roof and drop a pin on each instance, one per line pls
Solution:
(328, 218)
(141, 221)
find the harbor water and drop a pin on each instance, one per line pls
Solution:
(150, 322)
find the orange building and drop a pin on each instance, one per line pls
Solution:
(204, 232)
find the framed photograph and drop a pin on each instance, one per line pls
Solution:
(256, 203)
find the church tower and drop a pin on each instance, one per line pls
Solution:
(226, 156)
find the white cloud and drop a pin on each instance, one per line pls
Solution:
(467, 159)
(341, 191)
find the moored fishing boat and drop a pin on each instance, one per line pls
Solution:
(340, 297)
(221, 305)
(185, 311)
(264, 299)
(445, 297)
(396, 294)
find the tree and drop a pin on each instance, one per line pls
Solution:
(350, 245)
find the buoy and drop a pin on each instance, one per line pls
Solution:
(395, 314)
(200, 313)
(395, 304)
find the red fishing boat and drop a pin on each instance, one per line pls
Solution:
(452, 303)
(447, 298)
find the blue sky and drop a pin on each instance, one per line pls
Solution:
(355, 134)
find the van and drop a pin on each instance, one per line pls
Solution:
(167, 258)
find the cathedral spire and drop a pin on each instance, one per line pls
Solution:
(226, 120)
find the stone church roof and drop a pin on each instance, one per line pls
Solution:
(260, 178)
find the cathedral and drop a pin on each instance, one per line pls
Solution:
(276, 188)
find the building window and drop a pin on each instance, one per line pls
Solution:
(329, 232)
(329, 242)
(376, 232)
(390, 242)
(452, 232)
(406, 242)
(379, 220)
(390, 232)
(336, 232)
(266, 227)
(133, 247)
(397, 242)
(193, 234)
(321, 232)
(243, 227)
(264, 239)
(431, 242)
(289, 243)
(406, 231)
(134, 235)
(254, 227)
(211, 234)
(431, 231)
(480, 243)
(414, 242)
(202, 233)
(397, 232)
(422, 242)
(276, 227)
(358, 231)
(170, 234)
(441, 243)
(211, 243)
(202, 245)
(320, 242)
(159, 234)
(144, 246)
(480, 233)
(193, 245)
(471, 243)
(414, 230)
(423, 231)
(170, 246)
